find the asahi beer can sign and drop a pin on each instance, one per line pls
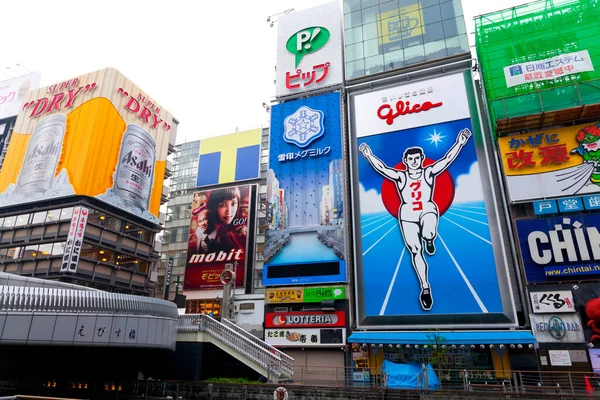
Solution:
(135, 171)
(42, 155)
(95, 135)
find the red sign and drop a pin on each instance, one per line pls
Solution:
(386, 113)
(305, 319)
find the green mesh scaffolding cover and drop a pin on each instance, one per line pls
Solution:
(533, 32)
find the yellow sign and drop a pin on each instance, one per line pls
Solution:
(552, 163)
(400, 23)
(288, 295)
(94, 135)
(544, 151)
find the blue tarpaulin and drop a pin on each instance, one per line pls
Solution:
(409, 376)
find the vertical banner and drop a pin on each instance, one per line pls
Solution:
(75, 240)
(304, 241)
(426, 252)
(70, 239)
(218, 235)
(168, 274)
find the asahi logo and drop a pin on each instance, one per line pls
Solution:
(43, 151)
(319, 319)
(142, 166)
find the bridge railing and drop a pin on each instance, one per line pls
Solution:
(59, 300)
(276, 362)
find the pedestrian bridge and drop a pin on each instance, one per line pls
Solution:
(48, 313)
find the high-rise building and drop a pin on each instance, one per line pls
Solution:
(194, 166)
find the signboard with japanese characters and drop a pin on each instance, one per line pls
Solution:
(428, 243)
(304, 239)
(306, 337)
(74, 240)
(548, 69)
(309, 49)
(553, 163)
(558, 301)
(552, 328)
(560, 358)
(12, 92)
(559, 249)
(304, 295)
(305, 319)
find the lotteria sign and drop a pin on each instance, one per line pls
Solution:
(560, 248)
(305, 319)
(309, 49)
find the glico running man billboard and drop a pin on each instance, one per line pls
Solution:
(218, 236)
(428, 247)
(95, 135)
(304, 241)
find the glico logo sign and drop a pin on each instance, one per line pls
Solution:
(570, 239)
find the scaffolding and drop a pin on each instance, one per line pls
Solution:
(534, 32)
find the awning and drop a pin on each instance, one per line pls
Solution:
(466, 338)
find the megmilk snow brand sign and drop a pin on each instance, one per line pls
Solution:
(552, 328)
(12, 93)
(558, 301)
(218, 236)
(305, 319)
(559, 162)
(548, 69)
(428, 245)
(304, 241)
(95, 135)
(561, 248)
(309, 49)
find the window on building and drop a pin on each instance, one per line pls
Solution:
(66, 213)
(22, 220)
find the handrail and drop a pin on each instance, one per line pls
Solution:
(259, 352)
(257, 341)
(59, 300)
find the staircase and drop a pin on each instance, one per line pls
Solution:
(275, 365)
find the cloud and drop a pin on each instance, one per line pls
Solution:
(370, 201)
(468, 186)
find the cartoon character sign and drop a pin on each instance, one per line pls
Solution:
(559, 162)
(587, 304)
(422, 209)
(418, 215)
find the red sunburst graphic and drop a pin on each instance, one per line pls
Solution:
(443, 194)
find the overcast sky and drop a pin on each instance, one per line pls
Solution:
(210, 63)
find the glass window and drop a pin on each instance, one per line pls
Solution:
(414, 54)
(45, 249)
(354, 35)
(435, 32)
(113, 223)
(355, 69)
(368, 3)
(370, 32)
(58, 249)
(431, 14)
(374, 65)
(434, 50)
(450, 28)
(393, 59)
(9, 222)
(66, 213)
(53, 215)
(90, 251)
(354, 52)
(449, 10)
(370, 14)
(371, 48)
(22, 220)
(39, 217)
(350, 5)
(31, 251)
(106, 255)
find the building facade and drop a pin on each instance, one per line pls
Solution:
(193, 178)
(539, 68)
(66, 212)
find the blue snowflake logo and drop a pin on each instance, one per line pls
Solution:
(304, 126)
